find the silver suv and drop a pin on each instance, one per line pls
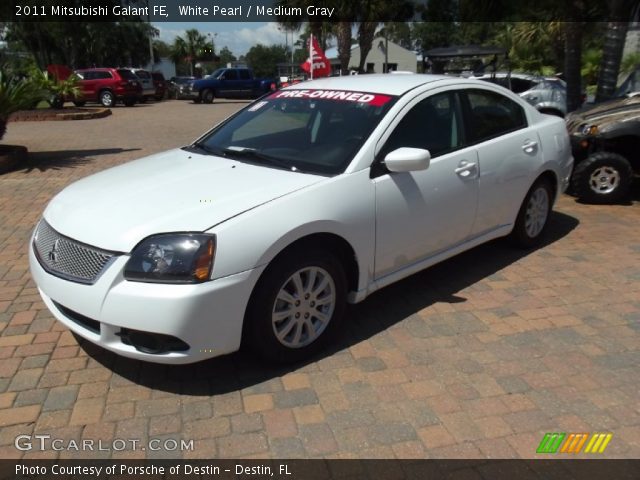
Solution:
(547, 94)
(146, 80)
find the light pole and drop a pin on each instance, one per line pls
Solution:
(213, 45)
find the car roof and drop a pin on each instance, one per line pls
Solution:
(99, 69)
(376, 83)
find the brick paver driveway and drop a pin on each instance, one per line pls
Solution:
(477, 357)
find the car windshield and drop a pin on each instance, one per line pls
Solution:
(315, 131)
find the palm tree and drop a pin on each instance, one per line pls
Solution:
(573, 64)
(614, 39)
(189, 47)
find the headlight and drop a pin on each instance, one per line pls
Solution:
(589, 129)
(172, 258)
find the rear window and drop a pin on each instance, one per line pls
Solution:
(127, 74)
(157, 76)
(142, 74)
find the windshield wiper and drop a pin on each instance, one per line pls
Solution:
(204, 148)
(245, 152)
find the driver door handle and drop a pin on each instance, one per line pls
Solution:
(465, 169)
(529, 146)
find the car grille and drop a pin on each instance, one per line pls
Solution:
(67, 258)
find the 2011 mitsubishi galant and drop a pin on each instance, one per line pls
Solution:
(314, 196)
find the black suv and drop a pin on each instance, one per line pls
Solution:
(605, 139)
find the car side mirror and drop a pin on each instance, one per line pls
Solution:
(407, 159)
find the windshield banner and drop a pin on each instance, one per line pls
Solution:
(373, 99)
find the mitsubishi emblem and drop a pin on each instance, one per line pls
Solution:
(53, 254)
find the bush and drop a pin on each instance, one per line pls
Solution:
(16, 94)
(57, 91)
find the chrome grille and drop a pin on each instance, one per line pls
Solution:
(67, 258)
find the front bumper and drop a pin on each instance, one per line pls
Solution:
(207, 317)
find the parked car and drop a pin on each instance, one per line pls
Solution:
(180, 88)
(547, 94)
(160, 85)
(605, 139)
(146, 81)
(314, 196)
(231, 83)
(108, 86)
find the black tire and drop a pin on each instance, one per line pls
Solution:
(107, 98)
(197, 100)
(612, 165)
(144, 99)
(79, 103)
(208, 96)
(525, 234)
(129, 102)
(259, 332)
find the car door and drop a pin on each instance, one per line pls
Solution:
(246, 84)
(507, 147)
(88, 84)
(422, 213)
(229, 83)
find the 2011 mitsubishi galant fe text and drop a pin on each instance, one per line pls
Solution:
(313, 196)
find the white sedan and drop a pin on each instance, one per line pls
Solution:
(316, 195)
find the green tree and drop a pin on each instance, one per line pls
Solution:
(84, 44)
(189, 48)
(226, 56)
(263, 60)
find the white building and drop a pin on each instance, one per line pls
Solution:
(397, 57)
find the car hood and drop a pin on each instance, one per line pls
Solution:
(605, 113)
(174, 191)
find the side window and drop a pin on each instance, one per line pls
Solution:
(231, 75)
(102, 75)
(244, 74)
(432, 124)
(89, 75)
(492, 114)
(519, 85)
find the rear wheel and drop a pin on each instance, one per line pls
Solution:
(129, 102)
(533, 216)
(107, 99)
(78, 103)
(297, 306)
(603, 177)
(207, 96)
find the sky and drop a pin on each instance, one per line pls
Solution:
(238, 36)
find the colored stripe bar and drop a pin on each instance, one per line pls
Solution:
(606, 441)
(598, 443)
(550, 442)
(569, 443)
(581, 443)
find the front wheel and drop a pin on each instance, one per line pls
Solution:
(296, 307)
(107, 99)
(603, 177)
(208, 96)
(533, 215)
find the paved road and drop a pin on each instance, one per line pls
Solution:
(476, 357)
